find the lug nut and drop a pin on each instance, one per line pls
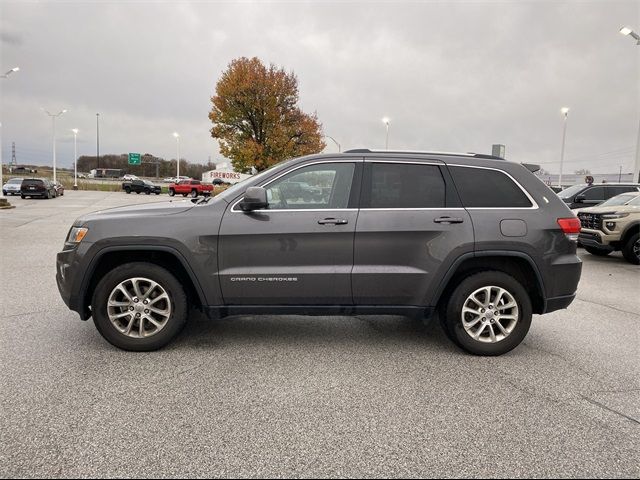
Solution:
(130, 308)
(136, 300)
(145, 302)
(482, 310)
(146, 310)
(137, 315)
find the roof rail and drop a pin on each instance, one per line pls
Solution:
(412, 152)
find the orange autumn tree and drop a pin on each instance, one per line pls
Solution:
(256, 117)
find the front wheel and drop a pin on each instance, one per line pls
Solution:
(172, 192)
(139, 307)
(147, 192)
(631, 249)
(127, 190)
(489, 314)
(600, 252)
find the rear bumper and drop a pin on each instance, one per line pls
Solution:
(558, 303)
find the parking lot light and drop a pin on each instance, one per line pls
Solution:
(565, 112)
(626, 31)
(75, 158)
(177, 135)
(53, 122)
(385, 120)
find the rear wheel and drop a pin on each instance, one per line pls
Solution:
(147, 191)
(48, 195)
(631, 249)
(139, 306)
(23, 196)
(194, 193)
(488, 313)
(600, 252)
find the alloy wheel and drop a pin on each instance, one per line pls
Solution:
(139, 307)
(490, 314)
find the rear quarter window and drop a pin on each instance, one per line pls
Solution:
(486, 188)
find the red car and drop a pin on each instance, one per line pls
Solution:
(190, 187)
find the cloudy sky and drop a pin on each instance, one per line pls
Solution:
(451, 75)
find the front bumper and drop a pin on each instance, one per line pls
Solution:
(69, 280)
(597, 239)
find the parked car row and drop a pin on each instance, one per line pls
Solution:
(33, 187)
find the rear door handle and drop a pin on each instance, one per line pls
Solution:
(333, 221)
(448, 220)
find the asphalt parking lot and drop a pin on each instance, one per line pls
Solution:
(307, 397)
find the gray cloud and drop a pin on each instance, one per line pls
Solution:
(451, 76)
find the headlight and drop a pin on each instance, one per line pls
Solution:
(611, 216)
(76, 234)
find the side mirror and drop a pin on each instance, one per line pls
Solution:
(255, 198)
(579, 198)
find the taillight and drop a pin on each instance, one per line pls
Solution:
(570, 227)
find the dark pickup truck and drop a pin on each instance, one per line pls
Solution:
(141, 186)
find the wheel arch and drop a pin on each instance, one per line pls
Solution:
(629, 231)
(166, 257)
(517, 264)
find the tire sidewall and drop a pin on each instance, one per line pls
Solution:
(153, 272)
(466, 288)
(627, 250)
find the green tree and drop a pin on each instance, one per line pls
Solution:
(256, 117)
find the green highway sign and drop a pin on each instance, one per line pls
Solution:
(134, 159)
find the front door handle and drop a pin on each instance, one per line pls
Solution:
(448, 220)
(333, 221)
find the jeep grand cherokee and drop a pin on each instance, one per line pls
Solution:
(475, 240)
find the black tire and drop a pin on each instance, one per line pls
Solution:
(138, 192)
(194, 193)
(171, 285)
(5, 193)
(147, 191)
(23, 196)
(48, 195)
(157, 193)
(453, 313)
(600, 252)
(632, 243)
(172, 192)
(127, 190)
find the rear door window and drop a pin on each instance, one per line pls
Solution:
(403, 185)
(487, 188)
(613, 190)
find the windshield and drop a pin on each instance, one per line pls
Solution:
(147, 182)
(571, 191)
(621, 199)
(635, 202)
(15, 180)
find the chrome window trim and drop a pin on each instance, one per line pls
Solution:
(409, 209)
(352, 160)
(534, 204)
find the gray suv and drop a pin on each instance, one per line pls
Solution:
(474, 240)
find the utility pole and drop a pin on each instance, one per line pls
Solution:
(13, 155)
(620, 174)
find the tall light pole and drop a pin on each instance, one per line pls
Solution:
(334, 141)
(75, 158)
(6, 75)
(565, 112)
(177, 135)
(97, 140)
(385, 120)
(53, 124)
(636, 166)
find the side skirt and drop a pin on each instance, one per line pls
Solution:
(215, 312)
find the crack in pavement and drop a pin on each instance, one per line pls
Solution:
(601, 405)
(608, 306)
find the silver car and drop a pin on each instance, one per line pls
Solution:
(12, 187)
